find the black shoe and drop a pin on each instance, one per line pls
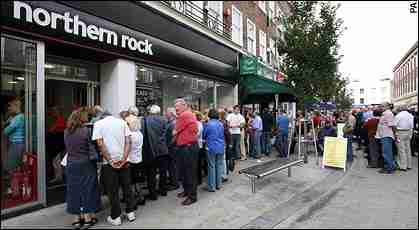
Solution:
(173, 187)
(188, 201)
(163, 193)
(224, 180)
(141, 202)
(181, 195)
(409, 168)
(404, 170)
(371, 166)
(151, 197)
(385, 171)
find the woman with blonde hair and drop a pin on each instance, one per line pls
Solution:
(82, 195)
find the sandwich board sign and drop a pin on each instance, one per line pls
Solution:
(335, 152)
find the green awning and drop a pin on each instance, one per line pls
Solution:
(255, 89)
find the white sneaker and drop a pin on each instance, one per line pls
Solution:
(115, 222)
(131, 216)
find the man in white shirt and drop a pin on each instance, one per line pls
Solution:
(404, 131)
(235, 122)
(113, 138)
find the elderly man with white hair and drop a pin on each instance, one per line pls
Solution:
(404, 131)
(171, 145)
(155, 152)
(186, 132)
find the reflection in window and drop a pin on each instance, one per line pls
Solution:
(162, 87)
(18, 123)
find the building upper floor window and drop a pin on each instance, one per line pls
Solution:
(215, 18)
(262, 6)
(361, 101)
(361, 91)
(271, 9)
(279, 12)
(272, 52)
(262, 45)
(237, 26)
(251, 37)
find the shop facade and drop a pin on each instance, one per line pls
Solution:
(58, 56)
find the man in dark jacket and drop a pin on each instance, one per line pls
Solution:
(155, 152)
(267, 122)
(171, 145)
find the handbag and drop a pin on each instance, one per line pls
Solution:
(94, 155)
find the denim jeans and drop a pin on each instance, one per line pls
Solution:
(215, 165)
(266, 143)
(349, 153)
(257, 144)
(282, 145)
(223, 165)
(235, 141)
(387, 146)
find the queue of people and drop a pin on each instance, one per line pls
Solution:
(389, 136)
(107, 153)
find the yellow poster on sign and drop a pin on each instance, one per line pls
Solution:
(335, 152)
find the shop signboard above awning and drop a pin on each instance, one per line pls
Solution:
(250, 65)
(257, 86)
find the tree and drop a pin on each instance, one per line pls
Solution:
(342, 98)
(310, 50)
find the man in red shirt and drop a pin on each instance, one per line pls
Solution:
(186, 132)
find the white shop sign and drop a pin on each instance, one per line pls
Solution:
(73, 25)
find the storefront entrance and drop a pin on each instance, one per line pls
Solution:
(64, 92)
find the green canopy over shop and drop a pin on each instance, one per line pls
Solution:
(255, 87)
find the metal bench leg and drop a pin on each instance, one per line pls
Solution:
(253, 184)
(289, 171)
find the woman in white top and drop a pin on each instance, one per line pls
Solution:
(202, 154)
(135, 156)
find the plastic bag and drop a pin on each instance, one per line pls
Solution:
(64, 160)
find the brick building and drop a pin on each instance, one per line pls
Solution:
(404, 86)
(255, 26)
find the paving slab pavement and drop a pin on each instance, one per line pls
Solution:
(364, 199)
(234, 206)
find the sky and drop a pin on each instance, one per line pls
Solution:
(378, 35)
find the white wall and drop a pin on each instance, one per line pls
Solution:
(117, 85)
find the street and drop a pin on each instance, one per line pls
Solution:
(366, 199)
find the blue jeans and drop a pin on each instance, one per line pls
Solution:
(224, 165)
(349, 153)
(266, 143)
(282, 144)
(215, 169)
(387, 147)
(256, 143)
(235, 141)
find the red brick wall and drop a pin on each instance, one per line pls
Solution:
(251, 10)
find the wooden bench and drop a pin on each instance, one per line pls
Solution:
(267, 168)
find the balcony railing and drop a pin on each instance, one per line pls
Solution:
(204, 17)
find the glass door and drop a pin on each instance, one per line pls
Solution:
(18, 116)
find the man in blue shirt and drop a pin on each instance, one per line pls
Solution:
(257, 127)
(282, 124)
(214, 137)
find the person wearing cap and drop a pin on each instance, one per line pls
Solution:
(385, 132)
(404, 131)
